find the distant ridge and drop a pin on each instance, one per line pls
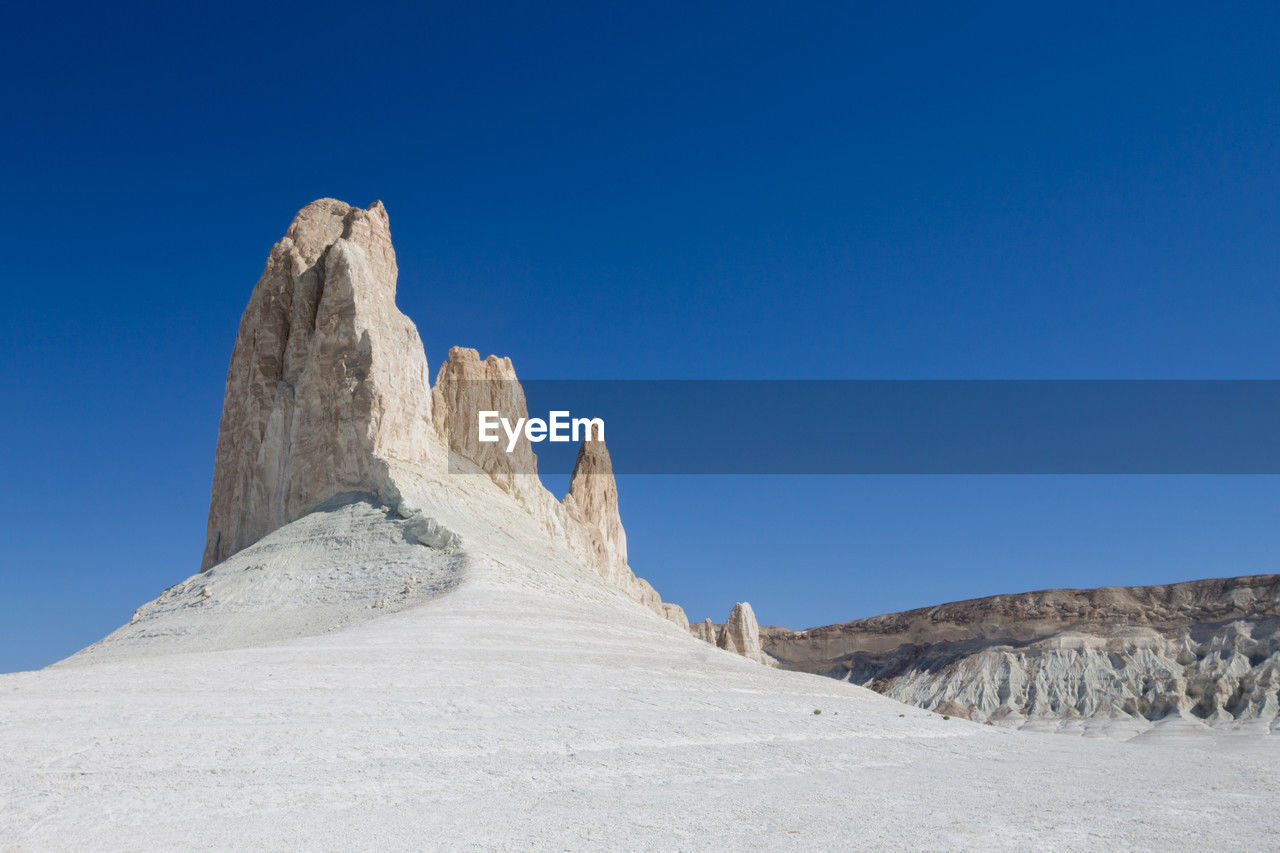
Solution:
(1206, 650)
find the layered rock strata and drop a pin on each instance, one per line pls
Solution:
(1206, 650)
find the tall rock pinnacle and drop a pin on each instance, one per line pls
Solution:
(741, 633)
(593, 503)
(595, 527)
(328, 380)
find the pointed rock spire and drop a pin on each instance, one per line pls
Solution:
(595, 527)
(593, 503)
(704, 630)
(328, 380)
(741, 633)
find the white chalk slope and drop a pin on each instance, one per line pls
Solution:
(466, 684)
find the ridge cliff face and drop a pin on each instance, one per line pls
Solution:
(327, 381)
(1207, 651)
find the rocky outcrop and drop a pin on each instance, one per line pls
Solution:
(466, 385)
(704, 630)
(328, 395)
(587, 519)
(741, 634)
(1204, 650)
(594, 526)
(592, 503)
(327, 380)
(675, 613)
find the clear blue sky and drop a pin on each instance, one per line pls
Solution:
(758, 190)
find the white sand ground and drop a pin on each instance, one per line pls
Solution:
(509, 699)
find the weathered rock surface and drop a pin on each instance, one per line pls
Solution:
(741, 634)
(327, 380)
(595, 528)
(1206, 650)
(327, 394)
(704, 630)
(467, 385)
(675, 613)
(587, 519)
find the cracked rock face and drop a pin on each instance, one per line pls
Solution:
(328, 380)
(1206, 651)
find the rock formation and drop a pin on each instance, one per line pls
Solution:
(587, 519)
(741, 634)
(675, 613)
(1206, 650)
(595, 527)
(327, 381)
(328, 394)
(704, 630)
(592, 502)
(467, 385)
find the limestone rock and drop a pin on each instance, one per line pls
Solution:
(328, 394)
(592, 503)
(587, 519)
(595, 527)
(953, 709)
(704, 630)
(675, 613)
(1207, 651)
(327, 381)
(467, 385)
(741, 633)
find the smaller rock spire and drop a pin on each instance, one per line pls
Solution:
(704, 630)
(593, 503)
